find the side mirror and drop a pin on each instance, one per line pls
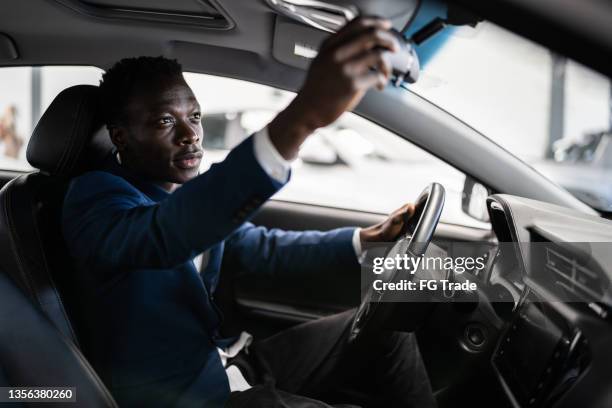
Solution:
(474, 199)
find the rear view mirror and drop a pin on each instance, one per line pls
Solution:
(330, 16)
(474, 199)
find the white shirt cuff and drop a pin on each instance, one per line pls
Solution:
(359, 253)
(269, 158)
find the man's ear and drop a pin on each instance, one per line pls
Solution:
(118, 135)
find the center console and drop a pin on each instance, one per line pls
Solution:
(540, 355)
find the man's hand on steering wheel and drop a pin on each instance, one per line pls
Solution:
(389, 229)
(411, 240)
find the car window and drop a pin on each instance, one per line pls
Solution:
(352, 164)
(26, 93)
(549, 111)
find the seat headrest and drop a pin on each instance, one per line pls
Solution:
(69, 138)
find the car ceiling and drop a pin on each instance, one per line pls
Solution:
(48, 32)
(54, 32)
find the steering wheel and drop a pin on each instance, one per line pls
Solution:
(413, 241)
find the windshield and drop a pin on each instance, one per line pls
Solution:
(549, 111)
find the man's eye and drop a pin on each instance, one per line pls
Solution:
(197, 115)
(166, 121)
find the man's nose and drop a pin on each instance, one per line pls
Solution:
(188, 135)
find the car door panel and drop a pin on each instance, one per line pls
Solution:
(293, 300)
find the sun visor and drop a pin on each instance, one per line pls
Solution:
(302, 25)
(295, 44)
(8, 50)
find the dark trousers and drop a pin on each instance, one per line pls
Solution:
(312, 365)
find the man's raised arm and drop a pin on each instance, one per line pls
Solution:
(105, 219)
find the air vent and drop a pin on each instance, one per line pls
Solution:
(585, 283)
(202, 13)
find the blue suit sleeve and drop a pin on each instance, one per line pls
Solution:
(108, 221)
(252, 249)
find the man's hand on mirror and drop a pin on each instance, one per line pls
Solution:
(348, 64)
(389, 229)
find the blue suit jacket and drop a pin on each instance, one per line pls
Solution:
(153, 326)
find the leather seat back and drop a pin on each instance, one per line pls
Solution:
(32, 251)
(33, 353)
(26, 243)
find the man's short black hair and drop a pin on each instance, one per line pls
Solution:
(127, 75)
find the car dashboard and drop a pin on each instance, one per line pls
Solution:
(549, 282)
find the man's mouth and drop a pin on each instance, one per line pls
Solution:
(188, 161)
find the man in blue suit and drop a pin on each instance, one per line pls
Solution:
(154, 327)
